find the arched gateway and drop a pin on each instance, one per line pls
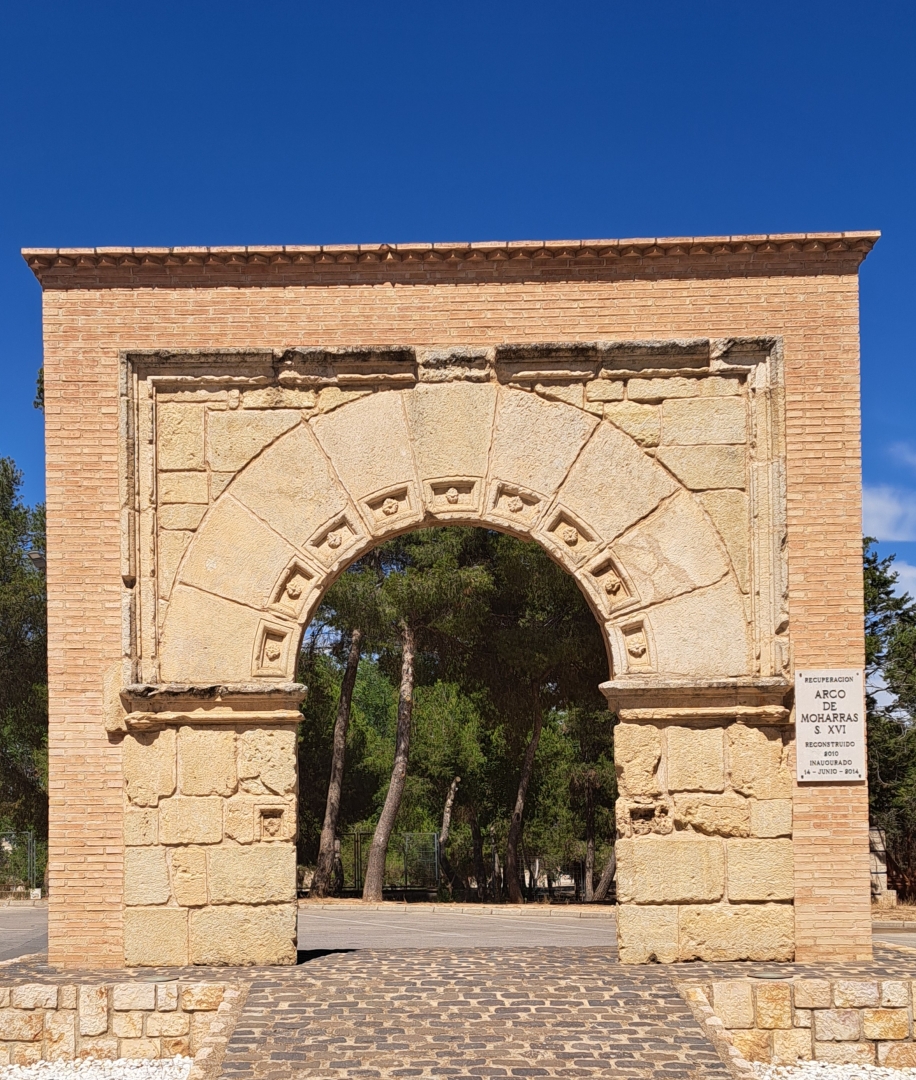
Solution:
(676, 422)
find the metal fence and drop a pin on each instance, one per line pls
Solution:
(17, 862)
(412, 861)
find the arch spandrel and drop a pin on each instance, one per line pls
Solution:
(657, 571)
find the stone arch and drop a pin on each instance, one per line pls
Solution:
(643, 548)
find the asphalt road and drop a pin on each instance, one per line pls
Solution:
(22, 930)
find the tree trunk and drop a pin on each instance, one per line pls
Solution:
(480, 870)
(607, 876)
(515, 827)
(450, 876)
(321, 882)
(375, 867)
(589, 846)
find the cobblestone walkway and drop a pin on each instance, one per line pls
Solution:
(537, 1012)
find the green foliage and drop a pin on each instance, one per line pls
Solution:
(23, 660)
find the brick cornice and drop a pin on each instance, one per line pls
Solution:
(67, 267)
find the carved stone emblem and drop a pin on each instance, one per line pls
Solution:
(294, 590)
(272, 651)
(515, 504)
(334, 539)
(390, 507)
(636, 646)
(569, 535)
(451, 496)
(612, 583)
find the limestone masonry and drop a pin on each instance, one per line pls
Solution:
(675, 421)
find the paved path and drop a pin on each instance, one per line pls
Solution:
(23, 930)
(467, 1014)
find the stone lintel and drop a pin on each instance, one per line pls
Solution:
(150, 706)
(675, 699)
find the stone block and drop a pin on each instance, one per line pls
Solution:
(803, 1018)
(156, 937)
(760, 870)
(182, 487)
(202, 997)
(646, 934)
(34, 996)
(246, 815)
(133, 995)
(792, 1046)
(713, 815)
(729, 513)
(812, 993)
(4, 997)
(60, 1035)
(704, 421)
(170, 551)
(703, 468)
(23, 1025)
(146, 877)
(105, 1047)
(148, 759)
(895, 1055)
(895, 994)
(845, 1053)
(140, 826)
(168, 1024)
(127, 1025)
(186, 819)
(856, 993)
(737, 932)
(451, 425)
(267, 760)
(773, 1004)
(244, 935)
(771, 817)
(146, 1049)
(172, 1046)
(886, 1023)
(695, 759)
(675, 870)
(637, 752)
(604, 390)
(183, 516)
(684, 642)
(640, 422)
(189, 879)
(93, 1010)
(201, 1024)
(25, 1053)
(732, 1002)
(839, 1025)
(167, 996)
(66, 997)
(662, 389)
(758, 761)
(753, 1045)
(206, 761)
(206, 637)
(252, 875)
(234, 437)
(180, 436)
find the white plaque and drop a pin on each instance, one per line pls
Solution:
(830, 725)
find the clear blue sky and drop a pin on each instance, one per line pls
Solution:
(276, 122)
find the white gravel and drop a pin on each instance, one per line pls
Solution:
(823, 1070)
(176, 1068)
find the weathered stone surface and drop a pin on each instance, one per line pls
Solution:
(701, 468)
(133, 995)
(451, 424)
(604, 390)
(758, 761)
(292, 487)
(66, 997)
(704, 421)
(146, 876)
(737, 932)
(662, 389)
(686, 644)
(180, 436)
(637, 752)
(675, 870)
(895, 994)
(803, 1018)
(104, 1047)
(886, 1023)
(774, 1005)
(183, 487)
(172, 1045)
(60, 1035)
(141, 826)
(713, 815)
(733, 1003)
(895, 1055)
(201, 997)
(148, 760)
(166, 996)
(845, 1053)
(244, 935)
(34, 996)
(856, 993)
(812, 993)
(267, 760)
(234, 437)
(640, 422)
(145, 1049)
(571, 393)
(206, 761)
(610, 462)
(729, 513)
(127, 1025)
(646, 934)
(189, 880)
(24, 1053)
(760, 870)
(243, 818)
(181, 516)
(187, 819)
(169, 1024)
(837, 1024)
(93, 1009)
(792, 1046)
(21, 1025)
(206, 638)
(252, 875)
(771, 817)
(155, 936)
(753, 1045)
(695, 759)
(169, 552)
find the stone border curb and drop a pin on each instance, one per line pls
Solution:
(881, 924)
(575, 911)
(208, 1060)
(714, 1029)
